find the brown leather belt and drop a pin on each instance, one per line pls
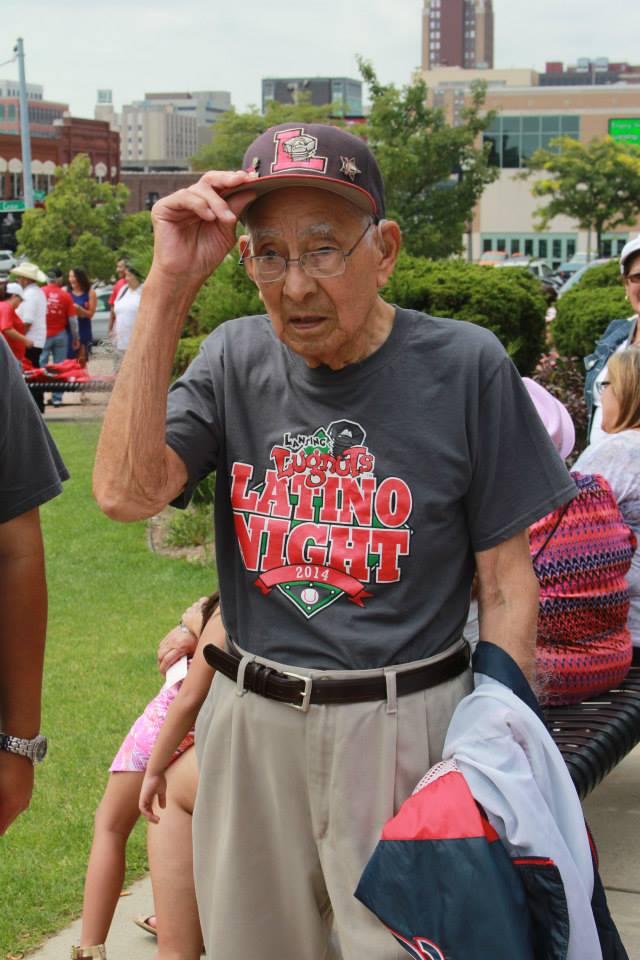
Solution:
(298, 690)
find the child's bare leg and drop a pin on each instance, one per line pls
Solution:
(115, 819)
(171, 862)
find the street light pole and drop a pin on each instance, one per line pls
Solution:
(25, 139)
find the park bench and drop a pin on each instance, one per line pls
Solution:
(595, 735)
(104, 385)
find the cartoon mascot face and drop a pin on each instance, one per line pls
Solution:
(301, 147)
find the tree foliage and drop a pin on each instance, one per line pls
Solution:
(434, 174)
(234, 131)
(595, 183)
(79, 225)
(583, 314)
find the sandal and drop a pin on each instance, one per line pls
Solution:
(88, 953)
(145, 923)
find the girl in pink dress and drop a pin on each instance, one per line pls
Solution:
(118, 811)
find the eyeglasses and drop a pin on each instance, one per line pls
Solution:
(325, 263)
(600, 386)
(633, 278)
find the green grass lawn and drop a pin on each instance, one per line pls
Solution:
(110, 602)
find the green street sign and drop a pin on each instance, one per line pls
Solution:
(12, 206)
(625, 129)
(39, 195)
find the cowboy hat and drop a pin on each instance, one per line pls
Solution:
(30, 271)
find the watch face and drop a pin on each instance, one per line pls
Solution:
(39, 749)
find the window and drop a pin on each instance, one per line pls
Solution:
(515, 245)
(528, 248)
(556, 248)
(542, 249)
(11, 111)
(571, 248)
(514, 140)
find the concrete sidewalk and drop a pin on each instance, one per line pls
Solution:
(613, 812)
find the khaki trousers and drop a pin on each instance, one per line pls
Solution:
(289, 809)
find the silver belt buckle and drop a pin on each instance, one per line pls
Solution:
(306, 693)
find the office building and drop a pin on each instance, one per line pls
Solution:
(588, 72)
(155, 133)
(457, 33)
(42, 113)
(344, 92)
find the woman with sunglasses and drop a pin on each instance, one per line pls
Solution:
(619, 335)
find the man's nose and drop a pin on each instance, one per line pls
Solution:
(297, 283)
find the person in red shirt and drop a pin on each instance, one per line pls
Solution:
(121, 266)
(62, 324)
(11, 325)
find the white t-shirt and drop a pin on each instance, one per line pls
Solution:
(33, 310)
(617, 459)
(126, 311)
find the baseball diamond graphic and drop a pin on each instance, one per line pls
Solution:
(321, 526)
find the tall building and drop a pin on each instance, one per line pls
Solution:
(164, 129)
(457, 33)
(344, 91)
(205, 106)
(42, 113)
(152, 133)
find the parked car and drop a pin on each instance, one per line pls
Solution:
(577, 276)
(7, 261)
(540, 269)
(100, 322)
(492, 257)
(567, 269)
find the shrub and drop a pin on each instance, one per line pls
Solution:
(226, 294)
(508, 302)
(583, 315)
(191, 527)
(604, 275)
(186, 351)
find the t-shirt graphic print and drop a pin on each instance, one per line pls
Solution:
(320, 526)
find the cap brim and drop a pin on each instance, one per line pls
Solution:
(348, 191)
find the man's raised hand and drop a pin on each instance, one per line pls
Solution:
(195, 228)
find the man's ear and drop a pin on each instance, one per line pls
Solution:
(389, 241)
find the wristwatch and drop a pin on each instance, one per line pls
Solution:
(34, 750)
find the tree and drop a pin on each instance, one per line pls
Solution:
(433, 172)
(80, 224)
(234, 131)
(595, 183)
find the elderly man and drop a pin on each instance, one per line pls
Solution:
(368, 459)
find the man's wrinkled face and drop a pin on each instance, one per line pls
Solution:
(323, 319)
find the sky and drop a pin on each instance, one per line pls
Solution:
(135, 46)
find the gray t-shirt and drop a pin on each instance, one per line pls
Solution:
(349, 503)
(31, 469)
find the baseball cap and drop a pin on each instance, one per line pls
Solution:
(54, 274)
(15, 290)
(315, 155)
(554, 415)
(633, 246)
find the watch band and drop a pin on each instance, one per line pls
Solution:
(34, 749)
